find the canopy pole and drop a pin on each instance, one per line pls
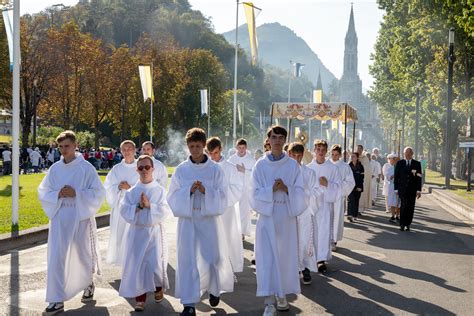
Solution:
(289, 130)
(271, 115)
(353, 137)
(345, 132)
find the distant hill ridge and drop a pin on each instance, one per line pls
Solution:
(278, 44)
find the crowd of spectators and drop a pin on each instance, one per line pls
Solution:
(39, 159)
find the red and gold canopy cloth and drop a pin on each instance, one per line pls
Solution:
(315, 111)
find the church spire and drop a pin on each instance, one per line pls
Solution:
(350, 51)
(319, 84)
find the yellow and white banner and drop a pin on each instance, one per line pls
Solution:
(146, 79)
(250, 14)
(317, 96)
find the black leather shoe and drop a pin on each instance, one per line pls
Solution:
(408, 228)
(214, 300)
(322, 267)
(188, 311)
(402, 228)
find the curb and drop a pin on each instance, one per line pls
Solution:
(452, 205)
(37, 235)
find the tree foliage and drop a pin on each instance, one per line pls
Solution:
(411, 55)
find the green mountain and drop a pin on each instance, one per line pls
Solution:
(277, 45)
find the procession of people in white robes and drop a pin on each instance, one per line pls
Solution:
(300, 218)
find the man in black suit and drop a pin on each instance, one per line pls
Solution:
(407, 184)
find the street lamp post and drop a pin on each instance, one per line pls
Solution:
(33, 105)
(447, 170)
(417, 119)
(399, 141)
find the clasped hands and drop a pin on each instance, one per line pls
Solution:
(144, 202)
(279, 185)
(198, 186)
(67, 192)
(323, 181)
(240, 168)
(124, 185)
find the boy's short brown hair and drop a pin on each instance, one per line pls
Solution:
(196, 134)
(296, 148)
(337, 148)
(66, 135)
(129, 142)
(148, 142)
(145, 157)
(213, 143)
(321, 142)
(241, 141)
(276, 129)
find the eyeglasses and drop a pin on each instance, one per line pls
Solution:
(147, 167)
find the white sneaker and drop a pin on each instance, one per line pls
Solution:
(282, 304)
(269, 310)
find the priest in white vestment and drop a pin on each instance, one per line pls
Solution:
(197, 196)
(365, 201)
(278, 196)
(347, 185)
(144, 207)
(306, 250)
(230, 218)
(376, 175)
(244, 160)
(71, 193)
(329, 191)
(121, 178)
(160, 174)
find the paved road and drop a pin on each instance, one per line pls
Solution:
(376, 270)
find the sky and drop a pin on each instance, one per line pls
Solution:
(321, 23)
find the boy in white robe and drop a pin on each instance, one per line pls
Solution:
(347, 184)
(245, 162)
(306, 251)
(144, 207)
(197, 197)
(121, 178)
(160, 174)
(329, 191)
(230, 218)
(71, 193)
(278, 196)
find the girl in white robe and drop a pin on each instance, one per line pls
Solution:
(276, 248)
(324, 209)
(203, 264)
(73, 256)
(244, 207)
(122, 172)
(146, 250)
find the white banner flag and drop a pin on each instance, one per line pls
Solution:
(8, 21)
(146, 79)
(204, 103)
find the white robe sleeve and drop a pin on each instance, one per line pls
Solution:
(297, 203)
(215, 201)
(161, 174)
(348, 182)
(159, 209)
(333, 190)
(128, 207)
(179, 197)
(234, 186)
(111, 187)
(89, 198)
(48, 196)
(261, 194)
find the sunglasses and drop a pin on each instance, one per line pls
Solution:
(147, 167)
